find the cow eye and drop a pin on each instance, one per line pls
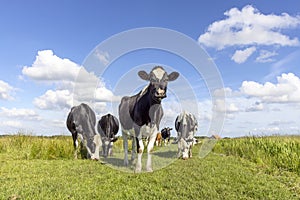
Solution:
(153, 80)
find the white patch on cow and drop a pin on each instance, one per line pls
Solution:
(98, 143)
(144, 90)
(138, 167)
(159, 73)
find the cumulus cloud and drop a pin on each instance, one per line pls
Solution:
(250, 27)
(48, 66)
(257, 106)
(222, 106)
(24, 114)
(6, 91)
(54, 99)
(73, 84)
(241, 56)
(286, 90)
(265, 56)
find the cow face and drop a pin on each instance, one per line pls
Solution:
(184, 147)
(159, 79)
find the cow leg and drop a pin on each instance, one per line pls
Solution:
(110, 151)
(179, 149)
(125, 146)
(149, 149)
(140, 146)
(133, 149)
(75, 143)
(190, 151)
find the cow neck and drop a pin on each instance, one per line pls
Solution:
(147, 99)
(89, 125)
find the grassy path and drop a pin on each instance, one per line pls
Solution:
(214, 177)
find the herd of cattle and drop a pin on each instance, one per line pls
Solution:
(140, 116)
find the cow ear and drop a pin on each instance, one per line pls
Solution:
(173, 76)
(143, 75)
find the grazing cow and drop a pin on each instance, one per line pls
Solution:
(158, 139)
(143, 113)
(186, 125)
(196, 141)
(81, 121)
(108, 127)
(166, 135)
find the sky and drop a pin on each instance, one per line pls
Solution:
(238, 62)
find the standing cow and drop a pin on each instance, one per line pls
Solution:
(108, 127)
(186, 125)
(158, 139)
(143, 113)
(81, 122)
(166, 135)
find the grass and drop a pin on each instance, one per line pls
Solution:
(274, 152)
(26, 174)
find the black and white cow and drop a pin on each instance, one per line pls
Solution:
(186, 125)
(81, 122)
(143, 113)
(166, 135)
(108, 127)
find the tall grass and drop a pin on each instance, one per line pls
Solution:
(280, 152)
(33, 147)
(21, 146)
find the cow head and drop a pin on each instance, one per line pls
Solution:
(159, 79)
(91, 143)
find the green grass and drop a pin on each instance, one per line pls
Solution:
(274, 152)
(27, 175)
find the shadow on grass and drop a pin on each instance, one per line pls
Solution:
(166, 154)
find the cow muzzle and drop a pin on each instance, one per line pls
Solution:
(160, 93)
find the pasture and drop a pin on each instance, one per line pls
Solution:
(34, 167)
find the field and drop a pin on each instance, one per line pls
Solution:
(245, 168)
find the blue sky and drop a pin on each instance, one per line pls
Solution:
(253, 45)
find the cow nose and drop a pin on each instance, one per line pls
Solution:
(160, 92)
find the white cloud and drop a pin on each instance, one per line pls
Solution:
(250, 27)
(73, 84)
(280, 122)
(286, 90)
(6, 91)
(240, 56)
(265, 56)
(53, 100)
(11, 123)
(21, 113)
(103, 57)
(257, 106)
(282, 65)
(222, 106)
(48, 66)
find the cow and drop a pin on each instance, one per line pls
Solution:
(81, 122)
(158, 139)
(140, 114)
(108, 127)
(166, 135)
(186, 125)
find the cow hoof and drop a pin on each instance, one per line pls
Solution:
(149, 170)
(138, 170)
